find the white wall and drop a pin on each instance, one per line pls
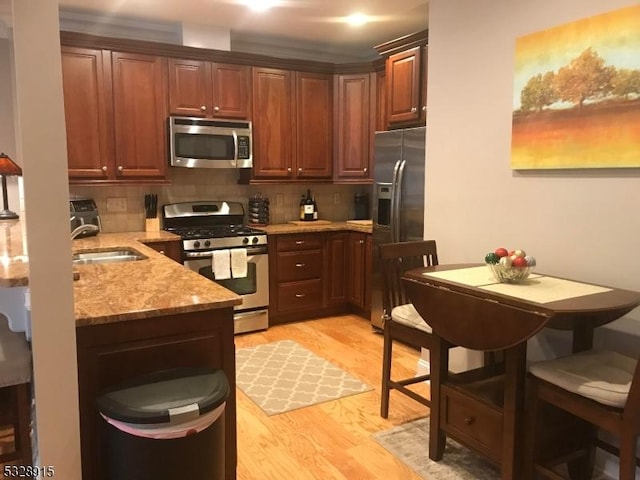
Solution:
(579, 224)
(41, 149)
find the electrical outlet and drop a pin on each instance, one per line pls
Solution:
(279, 199)
(117, 205)
(336, 198)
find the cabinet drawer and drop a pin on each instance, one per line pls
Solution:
(294, 266)
(300, 295)
(472, 421)
(288, 243)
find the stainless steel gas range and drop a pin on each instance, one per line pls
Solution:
(209, 226)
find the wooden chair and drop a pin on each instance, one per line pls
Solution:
(15, 394)
(401, 320)
(600, 389)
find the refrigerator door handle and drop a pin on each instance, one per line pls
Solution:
(398, 193)
(394, 200)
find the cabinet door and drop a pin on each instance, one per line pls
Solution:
(231, 90)
(140, 115)
(368, 270)
(353, 125)
(86, 78)
(337, 274)
(403, 86)
(273, 129)
(188, 87)
(424, 77)
(357, 268)
(314, 109)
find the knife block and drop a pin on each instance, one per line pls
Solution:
(152, 224)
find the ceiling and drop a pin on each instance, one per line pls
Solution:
(308, 21)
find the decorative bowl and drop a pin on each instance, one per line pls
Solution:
(504, 274)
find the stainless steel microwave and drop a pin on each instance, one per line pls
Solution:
(203, 143)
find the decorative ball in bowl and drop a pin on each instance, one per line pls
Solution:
(509, 266)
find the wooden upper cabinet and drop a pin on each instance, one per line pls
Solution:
(354, 119)
(140, 114)
(206, 89)
(424, 78)
(314, 124)
(403, 86)
(274, 134)
(381, 101)
(86, 79)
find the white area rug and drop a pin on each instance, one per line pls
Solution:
(283, 376)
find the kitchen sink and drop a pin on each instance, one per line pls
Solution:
(107, 256)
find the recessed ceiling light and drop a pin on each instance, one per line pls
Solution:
(260, 5)
(357, 19)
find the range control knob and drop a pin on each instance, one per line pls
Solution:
(245, 240)
(207, 243)
(196, 244)
(255, 240)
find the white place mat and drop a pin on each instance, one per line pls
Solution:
(472, 276)
(545, 289)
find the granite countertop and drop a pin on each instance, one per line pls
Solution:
(121, 291)
(285, 228)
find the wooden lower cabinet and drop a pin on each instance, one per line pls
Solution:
(311, 275)
(171, 249)
(109, 354)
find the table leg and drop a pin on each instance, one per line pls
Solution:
(514, 393)
(439, 365)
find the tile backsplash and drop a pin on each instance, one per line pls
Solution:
(121, 207)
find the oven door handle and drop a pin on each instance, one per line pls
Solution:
(207, 254)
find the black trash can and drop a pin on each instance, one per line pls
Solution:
(166, 425)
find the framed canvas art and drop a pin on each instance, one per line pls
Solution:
(576, 98)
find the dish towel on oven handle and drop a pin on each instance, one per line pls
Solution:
(221, 264)
(239, 262)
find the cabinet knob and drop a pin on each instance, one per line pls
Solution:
(300, 295)
(361, 242)
(414, 109)
(120, 168)
(299, 169)
(424, 108)
(299, 265)
(161, 251)
(104, 168)
(289, 170)
(469, 420)
(365, 170)
(216, 109)
(203, 108)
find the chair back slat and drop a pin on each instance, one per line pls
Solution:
(631, 414)
(395, 260)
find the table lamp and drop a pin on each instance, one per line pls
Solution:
(7, 167)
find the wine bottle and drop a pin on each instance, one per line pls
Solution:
(315, 208)
(301, 215)
(308, 207)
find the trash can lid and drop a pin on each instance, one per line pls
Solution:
(153, 398)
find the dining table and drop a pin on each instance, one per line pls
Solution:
(466, 306)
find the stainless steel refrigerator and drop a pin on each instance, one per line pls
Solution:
(398, 198)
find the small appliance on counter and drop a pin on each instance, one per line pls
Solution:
(84, 211)
(361, 206)
(258, 210)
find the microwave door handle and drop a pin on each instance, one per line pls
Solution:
(235, 148)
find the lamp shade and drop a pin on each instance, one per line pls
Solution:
(8, 166)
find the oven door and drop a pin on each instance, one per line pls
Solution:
(254, 288)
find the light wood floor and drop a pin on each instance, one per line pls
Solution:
(330, 441)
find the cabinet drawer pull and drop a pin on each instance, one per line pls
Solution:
(300, 295)
(469, 420)
(299, 265)
(299, 242)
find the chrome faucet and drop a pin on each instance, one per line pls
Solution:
(84, 228)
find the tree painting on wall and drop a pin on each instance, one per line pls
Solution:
(576, 98)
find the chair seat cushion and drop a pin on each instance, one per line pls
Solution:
(603, 376)
(15, 356)
(409, 316)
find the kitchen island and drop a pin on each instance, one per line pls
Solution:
(137, 317)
